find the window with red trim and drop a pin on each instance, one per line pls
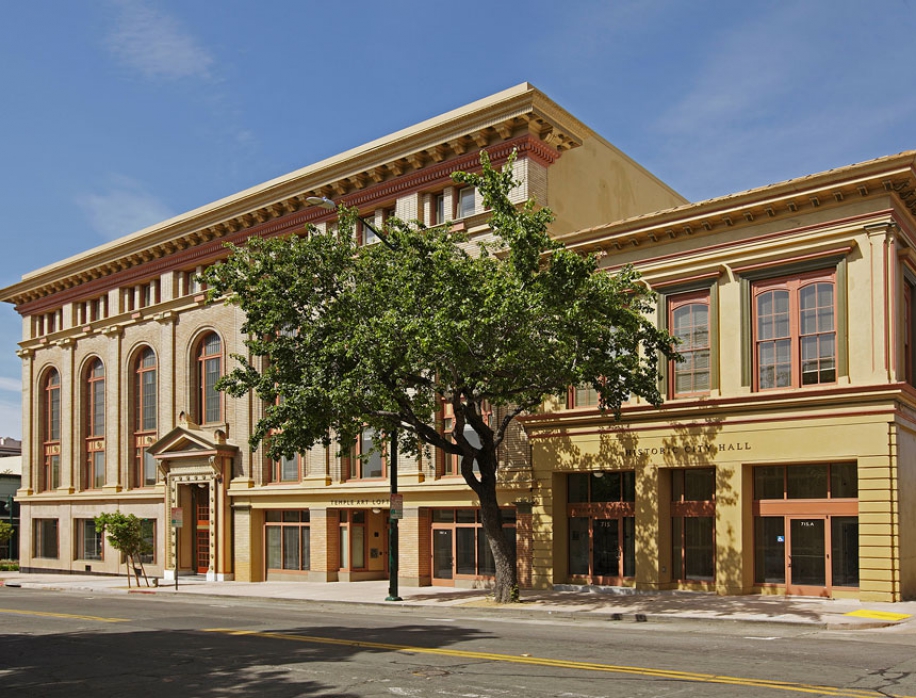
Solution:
(367, 462)
(94, 477)
(794, 325)
(49, 478)
(145, 391)
(209, 370)
(688, 320)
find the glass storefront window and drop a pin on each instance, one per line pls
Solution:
(460, 545)
(578, 545)
(578, 487)
(806, 482)
(699, 551)
(818, 481)
(770, 550)
(602, 486)
(769, 482)
(286, 536)
(465, 551)
(629, 546)
(845, 550)
(605, 488)
(291, 548)
(844, 481)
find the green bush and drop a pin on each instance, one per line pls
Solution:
(9, 566)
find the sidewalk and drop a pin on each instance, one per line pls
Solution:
(577, 603)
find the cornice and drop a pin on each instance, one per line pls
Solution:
(430, 150)
(208, 249)
(893, 176)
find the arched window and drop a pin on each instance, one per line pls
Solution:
(95, 426)
(209, 370)
(49, 478)
(145, 389)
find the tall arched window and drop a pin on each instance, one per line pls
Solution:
(145, 390)
(209, 370)
(95, 426)
(49, 478)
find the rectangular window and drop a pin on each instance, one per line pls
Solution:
(148, 531)
(460, 546)
(367, 235)
(90, 540)
(693, 529)
(439, 213)
(817, 481)
(602, 486)
(466, 202)
(583, 396)
(45, 538)
(97, 474)
(794, 325)
(770, 550)
(368, 462)
(288, 542)
(287, 469)
(688, 321)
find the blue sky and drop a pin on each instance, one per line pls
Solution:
(119, 113)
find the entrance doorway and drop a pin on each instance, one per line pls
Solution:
(460, 550)
(806, 564)
(201, 508)
(806, 528)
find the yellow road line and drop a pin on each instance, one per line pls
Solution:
(583, 666)
(46, 614)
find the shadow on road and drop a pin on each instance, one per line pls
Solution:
(199, 664)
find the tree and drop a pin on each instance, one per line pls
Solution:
(125, 534)
(381, 337)
(6, 531)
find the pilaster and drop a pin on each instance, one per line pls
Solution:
(325, 542)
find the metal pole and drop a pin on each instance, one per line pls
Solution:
(393, 524)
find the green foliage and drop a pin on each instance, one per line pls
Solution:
(382, 336)
(124, 532)
(6, 531)
(9, 566)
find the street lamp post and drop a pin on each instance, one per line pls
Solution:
(324, 202)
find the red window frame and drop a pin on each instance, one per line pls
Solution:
(94, 477)
(356, 468)
(209, 355)
(145, 402)
(784, 329)
(50, 429)
(694, 347)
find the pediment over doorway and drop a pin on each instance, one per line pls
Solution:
(191, 441)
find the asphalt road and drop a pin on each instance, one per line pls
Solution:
(72, 645)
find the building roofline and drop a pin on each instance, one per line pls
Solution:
(467, 127)
(889, 174)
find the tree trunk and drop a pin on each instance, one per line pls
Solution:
(506, 586)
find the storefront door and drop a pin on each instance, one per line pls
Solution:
(201, 530)
(606, 547)
(807, 557)
(442, 556)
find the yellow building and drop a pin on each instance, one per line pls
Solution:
(120, 353)
(784, 457)
(783, 460)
